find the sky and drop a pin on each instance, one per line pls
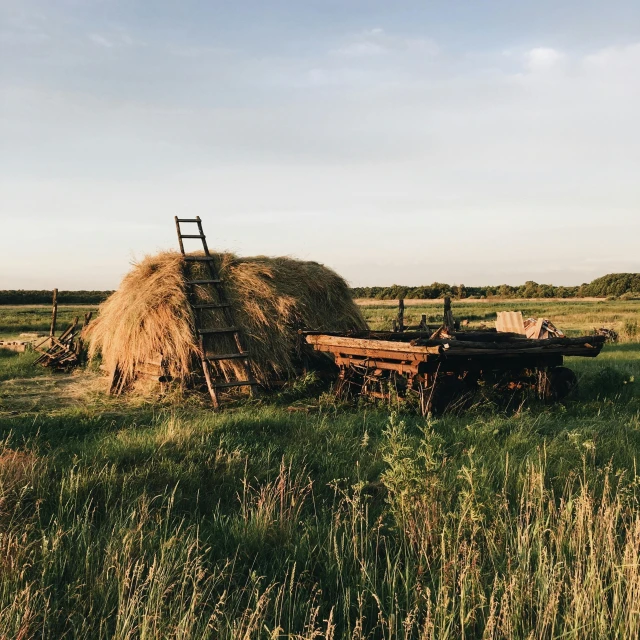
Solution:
(475, 142)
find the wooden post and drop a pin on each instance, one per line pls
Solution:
(54, 314)
(423, 323)
(449, 322)
(79, 342)
(401, 315)
(179, 234)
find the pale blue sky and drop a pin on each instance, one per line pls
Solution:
(478, 142)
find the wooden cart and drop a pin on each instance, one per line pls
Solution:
(443, 369)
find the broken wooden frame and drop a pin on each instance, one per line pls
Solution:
(66, 351)
(436, 368)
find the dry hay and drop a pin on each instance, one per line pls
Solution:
(272, 298)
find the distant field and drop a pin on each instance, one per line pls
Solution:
(572, 316)
(416, 302)
(16, 319)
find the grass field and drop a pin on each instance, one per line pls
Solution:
(16, 319)
(295, 517)
(572, 316)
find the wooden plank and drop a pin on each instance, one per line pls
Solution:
(114, 385)
(534, 331)
(212, 305)
(376, 345)
(380, 354)
(18, 347)
(411, 367)
(511, 353)
(204, 332)
(547, 343)
(233, 383)
(227, 356)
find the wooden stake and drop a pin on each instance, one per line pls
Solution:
(54, 314)
(449, 322)
(401, 315)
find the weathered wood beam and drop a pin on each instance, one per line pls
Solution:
(361, 343)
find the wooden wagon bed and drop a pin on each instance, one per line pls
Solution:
(434, 367)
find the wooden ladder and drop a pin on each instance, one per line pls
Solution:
(215, 286)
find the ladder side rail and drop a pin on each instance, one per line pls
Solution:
(207, 376)
(179, 235)
(203, 237)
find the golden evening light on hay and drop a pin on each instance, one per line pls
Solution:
(149, 316)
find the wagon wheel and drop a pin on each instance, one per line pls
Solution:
(447, 391)
(342, 389)
(351, 381)
(557, 383)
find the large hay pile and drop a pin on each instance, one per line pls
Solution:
(149, 315)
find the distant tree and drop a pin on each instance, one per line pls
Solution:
(615, 284)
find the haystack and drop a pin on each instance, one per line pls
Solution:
(149, 317)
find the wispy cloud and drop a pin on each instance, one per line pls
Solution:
(376, 41)
(114, 39)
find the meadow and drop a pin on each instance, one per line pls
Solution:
(573, 316)
(34, 318)
(294, 516)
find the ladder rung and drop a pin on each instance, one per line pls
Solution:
(239, 383)
(203, 332)
(204, 281)
(227, 356)
(193, 236)
(213, 305)
(188, 220)
(198, 259)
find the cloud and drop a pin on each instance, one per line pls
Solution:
(376, 41)
(542, 58)
(623, 58)
(21, 26)
(363, 48)
(114, 39)
(101, 41)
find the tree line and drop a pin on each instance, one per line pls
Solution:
(23, 296)
(612, 285)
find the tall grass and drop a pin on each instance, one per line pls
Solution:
(147, 521)
(241, 526)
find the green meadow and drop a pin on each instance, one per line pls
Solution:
(295, 516)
